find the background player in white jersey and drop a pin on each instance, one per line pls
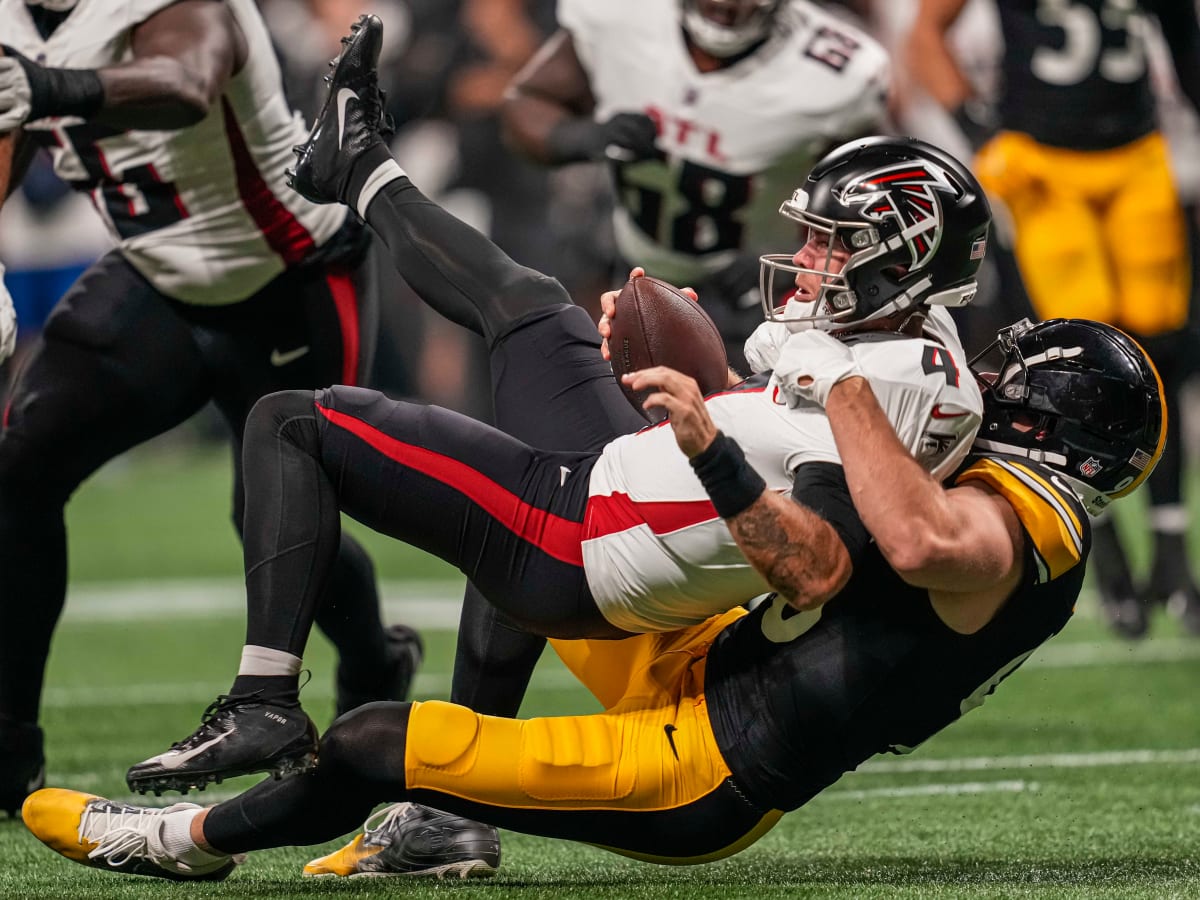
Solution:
(224, 286)
(709, 111)
(569, 543)
(710, 733)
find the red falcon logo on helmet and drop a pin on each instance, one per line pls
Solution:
(907, 192)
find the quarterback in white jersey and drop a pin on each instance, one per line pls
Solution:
(705, 125)
(224, 286)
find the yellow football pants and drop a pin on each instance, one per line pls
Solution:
(1099, 234)
(644, 778)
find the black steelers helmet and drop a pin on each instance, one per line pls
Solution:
(1079, 396)
(912, 218)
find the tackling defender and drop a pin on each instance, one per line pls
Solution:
(710, 733)
(606, 543)
(224, 286)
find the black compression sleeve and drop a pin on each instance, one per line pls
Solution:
(821, 487)
(454, 268)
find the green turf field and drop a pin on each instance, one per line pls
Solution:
(1080, 778)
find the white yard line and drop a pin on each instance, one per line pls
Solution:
(934, 790)
(1034, 761)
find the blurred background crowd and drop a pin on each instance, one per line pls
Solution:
(446, 68)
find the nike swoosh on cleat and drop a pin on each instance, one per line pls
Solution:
(174, 759)
(282, 358)
(343, 98)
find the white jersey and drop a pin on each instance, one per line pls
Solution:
(656, 555)
(736, 141)
(202, 212)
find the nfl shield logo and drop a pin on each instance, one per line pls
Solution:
(1090, 467)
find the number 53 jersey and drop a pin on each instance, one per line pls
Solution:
(202, 212)
(733, 142)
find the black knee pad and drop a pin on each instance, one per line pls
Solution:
(284, 412)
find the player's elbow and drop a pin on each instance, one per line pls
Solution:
(914, 553)
(184, 96)
(814, 586)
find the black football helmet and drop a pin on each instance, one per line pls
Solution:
(1079, 396)
(728, 27)
(913, 219)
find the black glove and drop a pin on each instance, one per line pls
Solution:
(630, 135)
(736, 285)
(59, 92)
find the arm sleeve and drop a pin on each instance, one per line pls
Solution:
(821, 487)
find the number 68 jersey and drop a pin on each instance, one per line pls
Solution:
(734, 141)
(202, 212)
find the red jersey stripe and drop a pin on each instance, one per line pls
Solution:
(553, 535)
(613, 513)
(345, 302)
(282, 231)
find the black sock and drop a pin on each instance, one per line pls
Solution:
(281, 690)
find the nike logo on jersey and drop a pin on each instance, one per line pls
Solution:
(343, 97)
(939, 413)
(283, 357)
(563, 472)
(175, 759)
(670, 730)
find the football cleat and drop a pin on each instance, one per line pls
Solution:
(350, 122)
(22, 764)
(404, 655)
(238, 735)
(105, 834)
(411, 839)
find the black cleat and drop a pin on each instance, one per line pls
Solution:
(22, 764)
(350, 122)
(405, 653)
(239, 735)
(411, 839)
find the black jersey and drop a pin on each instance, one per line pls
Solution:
(798, 698)
(1075, 73)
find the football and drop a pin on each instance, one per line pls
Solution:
(657, 325)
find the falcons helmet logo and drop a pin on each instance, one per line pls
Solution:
(907, 192)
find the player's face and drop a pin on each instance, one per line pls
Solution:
(728, 13)
(819, 254)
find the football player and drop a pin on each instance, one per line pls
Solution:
(1081, 167)
(224, 285)
(706, 110)
(624, 534)
(710, 733)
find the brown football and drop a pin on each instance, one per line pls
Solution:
(657, 325)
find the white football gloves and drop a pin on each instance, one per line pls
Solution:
(8, 321)
(810, 364)
(15, 95)
(762, 347)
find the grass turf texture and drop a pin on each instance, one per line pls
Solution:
(1067, 823)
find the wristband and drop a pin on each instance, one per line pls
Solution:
(60, 92)
(731, 483)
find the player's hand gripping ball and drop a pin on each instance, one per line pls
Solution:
(657, 325)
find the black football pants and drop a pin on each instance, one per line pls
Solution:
(119, 363)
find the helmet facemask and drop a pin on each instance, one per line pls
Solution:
(724, 28)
